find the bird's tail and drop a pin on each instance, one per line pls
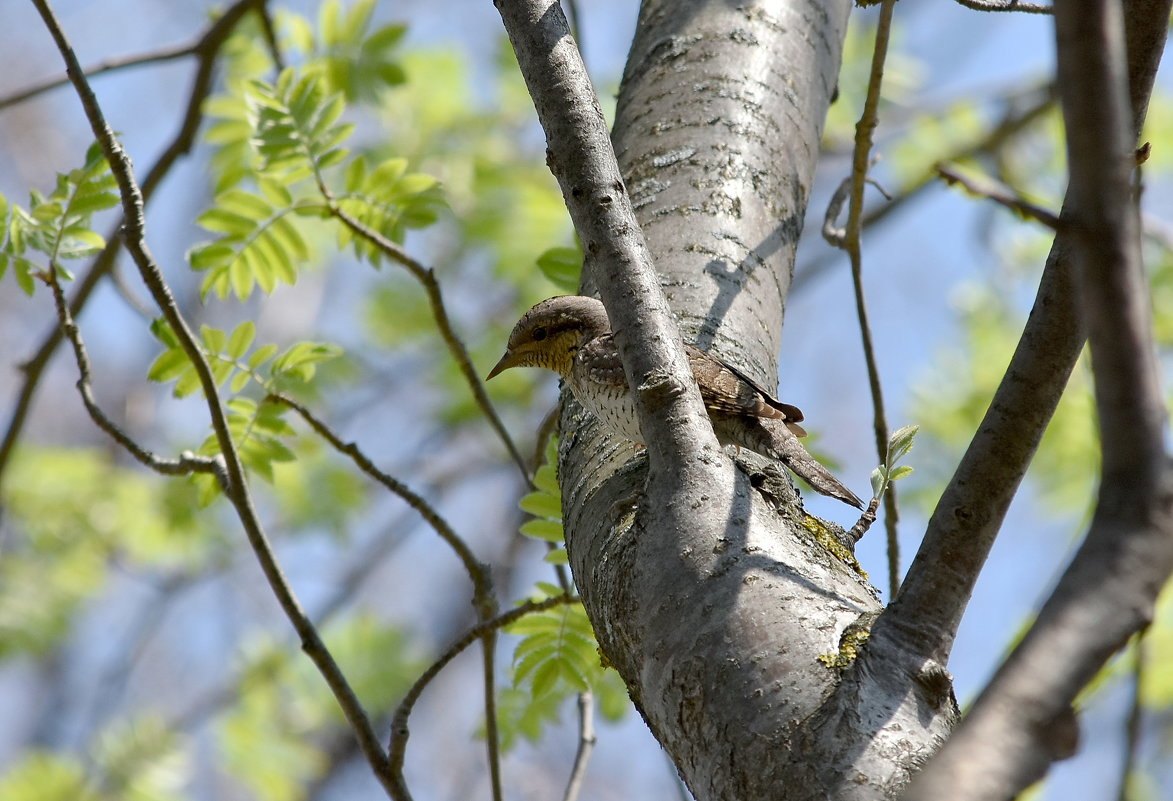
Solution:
(772, 438)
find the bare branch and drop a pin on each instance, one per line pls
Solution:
(580, 155)
(1024, 720)
(1007, 5)
(1013, 122)
(185, 465)
(237, 489)
(849, 239)
(478, 571)
(1132, 727)
(981, 186)
(110, 65)
(427, 278)
(400, 731)
(492, 734)
(586, 744)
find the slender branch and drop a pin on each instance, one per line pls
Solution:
(1013, 122)
(580, 156)
(478, 571)
(109, 65)
(270, 32)
(492, 732)
(427, 278)
(864, 523)
(586, 744)
(207, 51)
(186, 464)
(1132, 727)
(981, 186)
(400, 731)
(1023, 720)
(237, 489)
(850, 241)
(1007, 5)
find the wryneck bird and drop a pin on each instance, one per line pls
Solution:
(572, 336)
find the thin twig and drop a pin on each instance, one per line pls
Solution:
(427, 278)
(484, 600)
(850, 242)
(207, 50)
(586, 744)
(865, 522)
(237, 489)
(492, 732)
(477, 570)
(1132, 727)
(982, 186)
(1007, 5)
(270, 32)
(186, 464)
(400, 731)
(1013, 122)
(110, 65)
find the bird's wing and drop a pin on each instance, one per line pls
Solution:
(724, 388)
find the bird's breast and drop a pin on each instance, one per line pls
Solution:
(611, 402)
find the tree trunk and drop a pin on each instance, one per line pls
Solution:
(735, 618)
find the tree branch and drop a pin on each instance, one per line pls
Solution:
(237, 489)
(998, 192)
(1023, 720)
(852, 243)
(427, 278)
(1007, 5)
(672, 418)
(207, 51)
(962, 529)
(109, 65)
(478, 571)
(586, 744)
(185, 465)
(400, 731)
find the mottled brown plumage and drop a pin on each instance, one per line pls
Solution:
(571, 335)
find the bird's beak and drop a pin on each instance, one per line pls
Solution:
(506, 362)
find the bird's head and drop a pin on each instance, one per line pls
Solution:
(550, 334)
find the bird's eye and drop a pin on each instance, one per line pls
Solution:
(540, 333)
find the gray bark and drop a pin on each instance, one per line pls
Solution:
(739, 624)
(725, 609)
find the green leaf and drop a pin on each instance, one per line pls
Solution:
(213, 338)
(900, 443)
(241, 338)
(261, 355)
(239, 382)
(878, 482)
(562, 266)
(258, 246)
(542, 504)
(899, 472)
(57, 225)
(42, 776)
(168, 365)
(558, 556)
(548, 530)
